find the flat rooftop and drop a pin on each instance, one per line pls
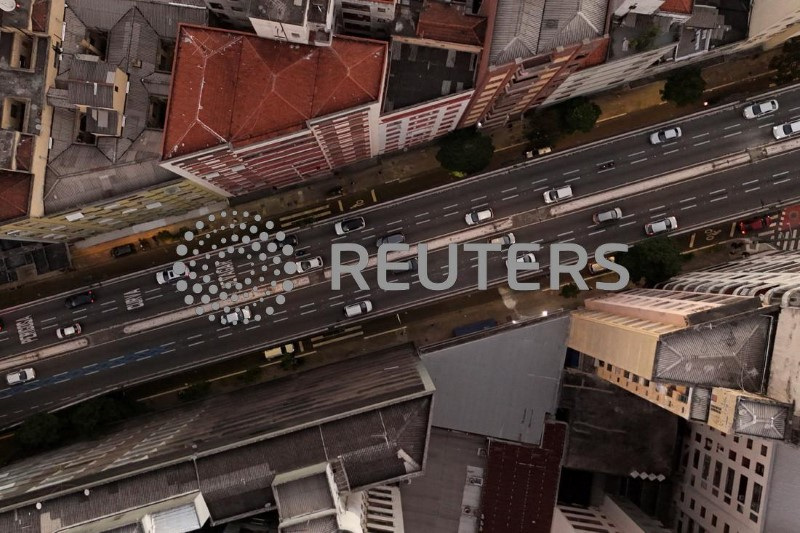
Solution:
(286, 11)
(237, 87)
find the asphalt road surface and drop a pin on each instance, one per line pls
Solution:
(116, 356)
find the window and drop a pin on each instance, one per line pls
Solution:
(295, 35)
(691, 504)
(706, 465)
(16, 118)
(745, 462)
(755, 503)
(763, 450)
(726, 529)
(749, 444)
(166, 51)
(698, 437)
(696, 459)
(736, 439)
(215, 5)
(713, 520)
(683, 495)
(742, 488)
(729, 481)
(702, 512)
(381, 10)
(717, 473)
(759, 469)
(157, 112)
(627, 374)
(707, 445)
(354, 7)
(731, 455)
(237, 9)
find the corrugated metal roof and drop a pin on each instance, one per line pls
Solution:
(516, 30)
(783, 493)
(182, 519)
(303, 496)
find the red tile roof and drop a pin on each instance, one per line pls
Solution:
(15, 197)
(677, 6)
(447, 22)
(236, 87)
(521, 486)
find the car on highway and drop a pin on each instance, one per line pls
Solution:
(661, 226)
(356, 309)
(19, 377)
(69, 331)
(309, 264)
(411, 265)
(168, 275)
(291, 240)
(237, 315)
(754, 224)
(558, 194)
(123, 250)
(786, 130)
(760, 109)
(604, 217)
(524, 258)
(505, 241)
(596, 268)
(391, 238)
(477, 216)
(349, 224)
(78, 300)
(665, 135)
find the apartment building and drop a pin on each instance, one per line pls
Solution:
(613, 515)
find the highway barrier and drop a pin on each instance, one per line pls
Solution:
(22, 360)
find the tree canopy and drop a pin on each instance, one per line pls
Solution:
(684, 86)
(654, 260)
(787, 64)
(465, 150)
(579, 114)
(39, 432)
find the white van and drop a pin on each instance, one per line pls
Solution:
(237, 315)
(356, 309)
(557, 195)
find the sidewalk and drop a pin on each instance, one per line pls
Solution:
(392, 176)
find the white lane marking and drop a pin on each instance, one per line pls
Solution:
(634, 154)
(570, 232)
(572, 172)
(48, 319)
(701, 143)
(170, 343)
(568, 240)
(194, 336)
(108, 303)
(281, 319)
(731, 127)
(336, 297)
(394, 223)
(445, 208)
(701, 135)
(154, 297)
(628, 216)
(154, 290)
(51, 326)
(672, 151)
(654, 216)
(667, 145)
(422, 215)
(781, 181)
(687, 199)
(627, 223)
(423, 221)
(195, 343)
(718, 191)
(638, 161)
(450, 214)
(779, 174)
(504, 191)
(479, 198)
(572, 179)
(510, 197)
(252, 328)
(222, 336)
(540, 188)
(751, 190)
(732, 134)
(333, 305)
(749, 182)
(794, 108)
(538, 181)
(92, 372)
(718, 198)
(657, 208)
(767, 125)
(596, 232)
(307, 305)
(684, 208)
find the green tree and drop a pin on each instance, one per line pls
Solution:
(90, 418)
(570, 290)
(289, 361)
(787, 64)
(579, 114)
(195, 391)
(465, 150)
(645, 39)
(39, 432)
(652, 260)
(543, 128)
(684, 86)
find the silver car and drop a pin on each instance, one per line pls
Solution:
(759, 109)
(665, 135)
(661, 226)
(20, 376)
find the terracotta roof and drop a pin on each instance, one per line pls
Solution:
(521, 485)
(677, 6)
(16, 190)
(236, 87)
(448, 23)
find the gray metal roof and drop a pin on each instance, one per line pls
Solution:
(304, 496)
(500, 385)
(286, 11)
(784, 490)
(325, 524)
(362, 416)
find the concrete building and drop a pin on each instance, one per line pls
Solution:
(298, 21)
(735, 484)
(93, 136)
(367, 18)
(297, 446)
(613, 515)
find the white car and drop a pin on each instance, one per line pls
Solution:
(524, 258)
(661, 226)
(478, 216)
(356, 309)
(558, 194)
(786, 130)
(349, 224)
(504, 240)
(170, 274)
(309, 264)
(238, 315)
(665, 135)
(612, 215)
(69, 331)
(20, 376)
(759, 109)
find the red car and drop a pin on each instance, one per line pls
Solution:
(754, 224)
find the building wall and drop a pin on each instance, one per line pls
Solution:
(643, 7)
(366, 18)
(571, 519)
(772, 22)
(230, 11)
(725, 482)
(346, 138)
(147, 205)
(422, 123)
(280, 31)
(489, 85)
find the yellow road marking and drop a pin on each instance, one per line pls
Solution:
(374, 197)
(691, 241)
(303, 213)
(384, 332)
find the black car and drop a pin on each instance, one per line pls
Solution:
(291, 240)
(78, 300)
(123, 250)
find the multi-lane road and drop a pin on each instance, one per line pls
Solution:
(118, 354)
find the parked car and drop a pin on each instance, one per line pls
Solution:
(504, 241)
(754, 224)
(786, 130)
(349, 224)
(596, 268)
(661, 226)
(356, 309)
(478, 216)
(123, 250)
(20, 376)
(759, 109)
(392, 238)
(69, 331)
(290, 348)
(237, 315)
(170, 274)
(78, 300)
(558, 194)
(612, 215)
(309, 264)
(524, 258)
(665, 135)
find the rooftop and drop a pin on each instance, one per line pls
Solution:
(501, 385)
(236, 87)
(447, 22)
(15, 197)
(677, 6)
(371, 427)
(525, 28)
(286, 11)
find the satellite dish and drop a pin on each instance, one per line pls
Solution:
(8, 5)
